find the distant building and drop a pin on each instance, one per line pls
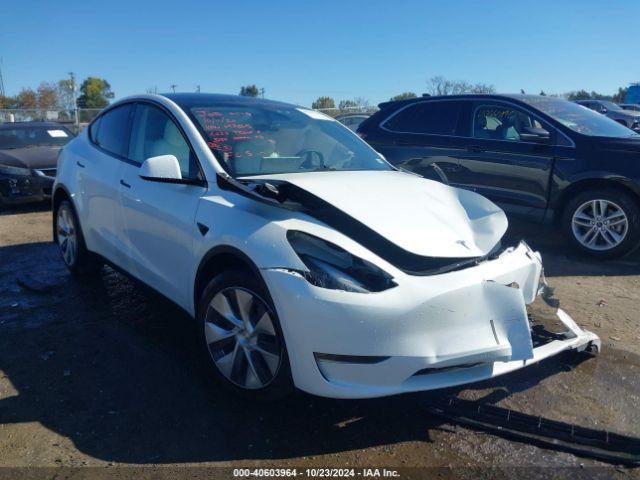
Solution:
(633, 94)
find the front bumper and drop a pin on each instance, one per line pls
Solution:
(21, 188)
(426, 333)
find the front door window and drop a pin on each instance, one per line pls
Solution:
(498, 122)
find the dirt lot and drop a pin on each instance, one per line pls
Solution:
(103, 373)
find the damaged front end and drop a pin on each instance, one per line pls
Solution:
(428, 332)
(434, 302)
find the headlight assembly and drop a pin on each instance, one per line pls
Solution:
(331, 266)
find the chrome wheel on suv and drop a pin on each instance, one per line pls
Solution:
(603, 223)
(600, 224)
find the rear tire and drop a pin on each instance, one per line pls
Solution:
(602, 223)
(242, 341)
(68, 236)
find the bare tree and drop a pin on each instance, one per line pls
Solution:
(358, 103)
(439, 85)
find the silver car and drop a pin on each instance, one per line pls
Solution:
(628, 118)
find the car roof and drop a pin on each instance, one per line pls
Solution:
(187, 100)
(12, 125)
(521, 97)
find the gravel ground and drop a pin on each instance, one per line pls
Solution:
(104, 373)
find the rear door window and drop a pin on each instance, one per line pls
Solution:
(113, 132)
(430, 118)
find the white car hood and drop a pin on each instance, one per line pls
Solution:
(421, 216)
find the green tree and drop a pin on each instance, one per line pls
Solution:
(249, 91)
(323, 103)
(403, 96)
(542, 93)
(94, 93)
(584, 95)
(578, 95)
(47, 96)
(8, 102)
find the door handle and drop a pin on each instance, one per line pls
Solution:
(80, 164)
(124, 184)
(475, 148)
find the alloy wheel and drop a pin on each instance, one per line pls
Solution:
(599, 224)
(67, 237)
(242, 338)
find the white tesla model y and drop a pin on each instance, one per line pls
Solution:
(307, 260)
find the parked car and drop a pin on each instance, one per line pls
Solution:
(352, 120)
(628, 118)
(305, 257)
(28, 155)
(630, 106)
(541, 158)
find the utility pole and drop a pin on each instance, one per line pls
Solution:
(1, 80)
(262, 92)
(76, 120)
(173, 87)
(197, 88)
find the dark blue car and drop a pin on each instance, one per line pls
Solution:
(538, 157)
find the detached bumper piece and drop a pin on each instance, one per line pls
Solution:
(586, 442)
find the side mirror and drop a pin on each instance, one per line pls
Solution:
(603, 110)
(536, 135)
(164, 168)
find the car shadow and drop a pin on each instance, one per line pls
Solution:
(560, 259)
(116, 369)
(43, 206)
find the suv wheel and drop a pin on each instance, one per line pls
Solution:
(68, 236)
(241, 334)
(603, 223)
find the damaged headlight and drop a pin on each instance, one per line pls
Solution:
(331, 266)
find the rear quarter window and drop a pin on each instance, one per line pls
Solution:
(430, 118)
(93, 130)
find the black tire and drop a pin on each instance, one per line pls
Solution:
(280, 384)
(83, 262)
(627, 203)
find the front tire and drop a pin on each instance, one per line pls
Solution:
(603, 223)
(68, 236)
(243, 343)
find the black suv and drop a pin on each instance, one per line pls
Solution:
(538, 157)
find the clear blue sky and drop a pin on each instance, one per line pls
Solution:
(298, 50)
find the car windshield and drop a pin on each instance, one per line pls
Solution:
(580, 119)
(610, 105)
(267, 138)
(24, 136)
